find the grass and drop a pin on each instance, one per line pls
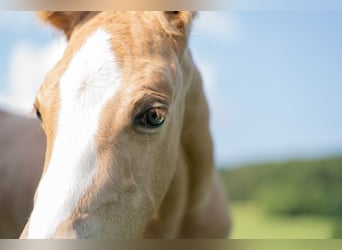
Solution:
(252, 222)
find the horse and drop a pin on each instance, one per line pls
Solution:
(22, 150)
(129, 152)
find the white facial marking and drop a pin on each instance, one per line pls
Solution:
(89, 82)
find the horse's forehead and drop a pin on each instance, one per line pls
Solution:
(134, 35)
(141, 55)
(85, 65)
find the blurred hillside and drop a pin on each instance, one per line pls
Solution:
(292, 189)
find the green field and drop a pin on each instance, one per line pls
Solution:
(286, 200)
(252, 222)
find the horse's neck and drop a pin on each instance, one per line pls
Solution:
(196, 137)
(190, 186)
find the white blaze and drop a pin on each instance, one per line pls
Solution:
(89, 82)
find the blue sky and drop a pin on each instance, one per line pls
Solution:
(287, 5)
(273, 79)
(279, 76)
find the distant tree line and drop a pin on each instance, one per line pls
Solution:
(290, 188)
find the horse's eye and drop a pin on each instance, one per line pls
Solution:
(152, 118)
(38, 114)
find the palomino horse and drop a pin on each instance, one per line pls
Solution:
(22, 147)
(129, 153)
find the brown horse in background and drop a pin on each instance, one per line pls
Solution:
(22, 147)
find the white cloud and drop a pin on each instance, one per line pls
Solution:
(219, 26)
(216, 29)
(28, 66)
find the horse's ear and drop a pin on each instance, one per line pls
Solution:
(180, 21)
(177, 24)
(63, 20)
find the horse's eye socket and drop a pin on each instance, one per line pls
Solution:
(152, 118)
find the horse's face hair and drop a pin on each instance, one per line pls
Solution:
(112, 109)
